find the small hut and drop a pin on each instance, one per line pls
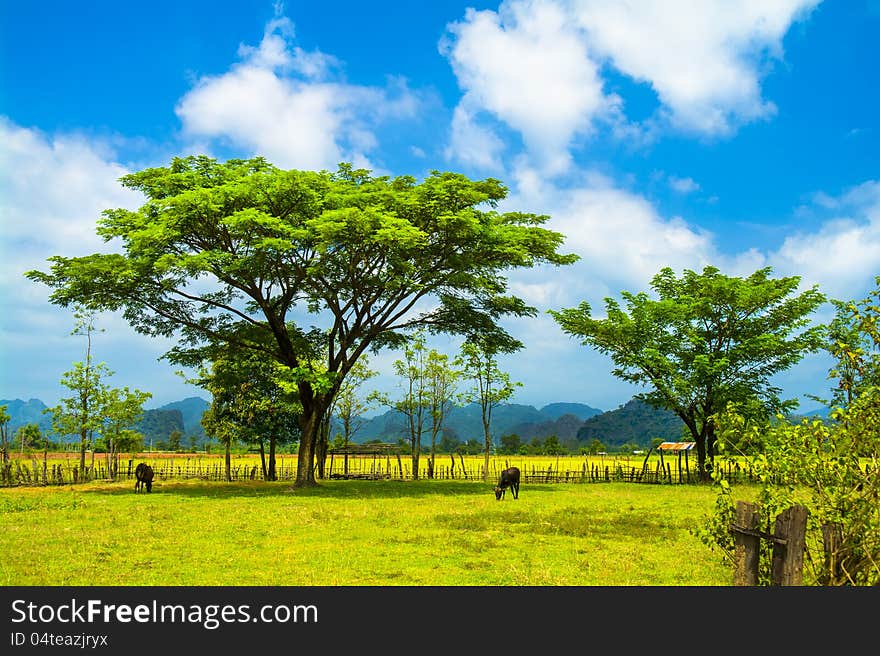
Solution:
(679, 448)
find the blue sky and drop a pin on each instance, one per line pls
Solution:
(733, 133)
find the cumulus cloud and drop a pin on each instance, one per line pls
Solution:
(290, 106)
(623, 240)
(536, 66)
(525, 66)
(54, 188)
(843, 254)
(474, 144)
(704, 58)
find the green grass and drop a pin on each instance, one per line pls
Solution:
(352, 533)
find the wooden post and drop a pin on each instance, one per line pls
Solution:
(788, 556)
(746, 544)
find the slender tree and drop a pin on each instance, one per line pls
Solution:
(252, 402)
(122, 408)
(28, 435)
(707, 340)
(350, 405)
(413, 402)
(441, 381)
(491, 386)
(218, 244)
(854, 343)
(82, 413)
(5, 418)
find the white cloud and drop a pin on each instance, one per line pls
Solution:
(473, 144)
(54, 188)
(624, 240)
(703, 58)
(282, 102)
(621, 237)
(843, 254)
(525, 66)
(535, 66)
(683, 185)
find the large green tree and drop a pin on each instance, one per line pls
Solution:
(705, 340)
(324, 265)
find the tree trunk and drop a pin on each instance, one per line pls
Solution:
(111, 458)
(711, 440)
(228, 443)
(273, 476)
(322, 444)
(82, 451)
(702, 470)
(263, 460)
(305, 469)
(486, 453)
(415, 460)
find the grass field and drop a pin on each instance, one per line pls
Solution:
(355, 532)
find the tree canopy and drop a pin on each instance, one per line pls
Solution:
(706, 340)
(323, 266)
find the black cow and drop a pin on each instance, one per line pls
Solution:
(509, 479)
(144, 475)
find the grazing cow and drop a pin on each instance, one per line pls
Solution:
(509, 479)
(144, 475)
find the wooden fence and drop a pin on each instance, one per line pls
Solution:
(788, 540)
(19, 472)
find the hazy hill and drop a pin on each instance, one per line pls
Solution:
(157, 423)
(26, 412)
(465, 422)
(635, 421)
(579, 410)
(191, 410)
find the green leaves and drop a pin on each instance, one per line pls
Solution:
(706, 340)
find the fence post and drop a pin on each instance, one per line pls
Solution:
(746, 544)
(788, 556)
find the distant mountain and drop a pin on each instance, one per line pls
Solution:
(191, 410)
(579, 410)
(22, 413)
(465, 422)
(565, 428)
(158, 423)
(635, 421)
(824, 413)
